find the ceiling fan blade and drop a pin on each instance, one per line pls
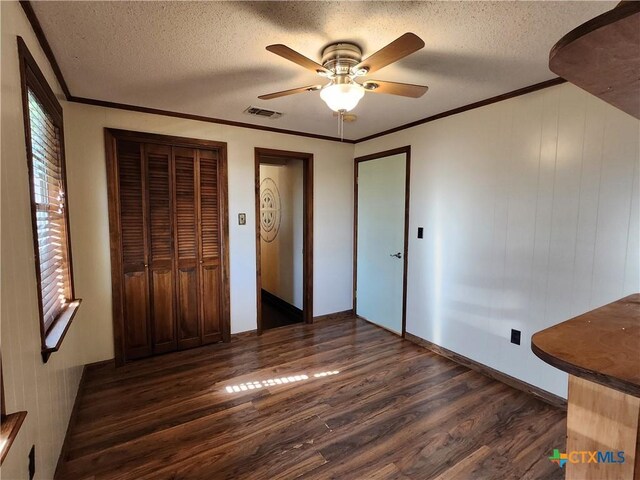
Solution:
(399, 48)
(284, 93)
(295, 57)
(394, 88)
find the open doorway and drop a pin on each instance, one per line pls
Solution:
(284, 237)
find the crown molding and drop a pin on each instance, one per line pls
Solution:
(465, 108)
(46, 47)
(202, 118)
(44, 44)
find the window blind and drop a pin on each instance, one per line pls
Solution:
(49, 205)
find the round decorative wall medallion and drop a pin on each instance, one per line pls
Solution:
(270, 213)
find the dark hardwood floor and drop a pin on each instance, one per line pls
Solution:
(359, 403)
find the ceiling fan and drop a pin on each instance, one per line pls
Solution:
(342, 64)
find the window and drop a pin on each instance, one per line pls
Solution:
(45, 156)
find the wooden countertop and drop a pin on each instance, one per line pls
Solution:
(602, 56)
(602, 345)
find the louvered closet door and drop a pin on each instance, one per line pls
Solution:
(137, 332)
(161, 276)
(186, 247)
(210, 263)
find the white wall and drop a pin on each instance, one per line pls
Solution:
(45, 391)
(531, 209)
(282, 257)
(333, 212)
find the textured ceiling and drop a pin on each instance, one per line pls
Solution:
(209, 58)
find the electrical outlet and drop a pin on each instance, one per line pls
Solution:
(242, 219)
(32, 462)
(420, 232)
(515, 336)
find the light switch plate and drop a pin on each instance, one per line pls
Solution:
(242, 219)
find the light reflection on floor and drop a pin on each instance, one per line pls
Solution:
(244, 387)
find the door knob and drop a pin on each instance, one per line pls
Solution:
(397, 255)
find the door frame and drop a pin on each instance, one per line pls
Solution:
(111, 135)
(262, 155)
(395, 151)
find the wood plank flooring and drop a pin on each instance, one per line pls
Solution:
(357, 403)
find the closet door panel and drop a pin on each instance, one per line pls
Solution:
(186, 246)
(167, 218)
(189, 326)
(159, 191)
(131, 190)
(131, 187)
(164, 327)
(210, 273)
(211, 305)
(209, 204)
(136, 315)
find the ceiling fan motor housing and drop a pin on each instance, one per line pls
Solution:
(341, 58)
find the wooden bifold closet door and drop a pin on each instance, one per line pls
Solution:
(167, 210)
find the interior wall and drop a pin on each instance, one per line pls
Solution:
(281, 256)
(530, 209)
(333, 212)
(45, 391)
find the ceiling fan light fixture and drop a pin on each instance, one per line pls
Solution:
(342, 97)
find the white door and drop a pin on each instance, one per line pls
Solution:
(380, 240)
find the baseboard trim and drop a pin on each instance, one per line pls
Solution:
(343, 315)
(245, 334)
(100, 364)
(398, 334)
(291, 310)
(516, 383)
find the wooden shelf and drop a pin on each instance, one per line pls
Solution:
(602, 56)
(9, 430)
(602, 346)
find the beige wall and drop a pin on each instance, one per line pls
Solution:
(333, 209)
(46, 391)
(281, 259)
(530, 209)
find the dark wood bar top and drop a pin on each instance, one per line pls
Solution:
(602, 345)
(602, 56)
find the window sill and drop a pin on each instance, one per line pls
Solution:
(9, 430)
(53, 339)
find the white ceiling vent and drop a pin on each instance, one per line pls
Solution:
(263, 112)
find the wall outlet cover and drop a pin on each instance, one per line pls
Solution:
(242, 219)
(515, 336)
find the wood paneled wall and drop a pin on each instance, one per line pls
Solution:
(530, 209)
(46, 391)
